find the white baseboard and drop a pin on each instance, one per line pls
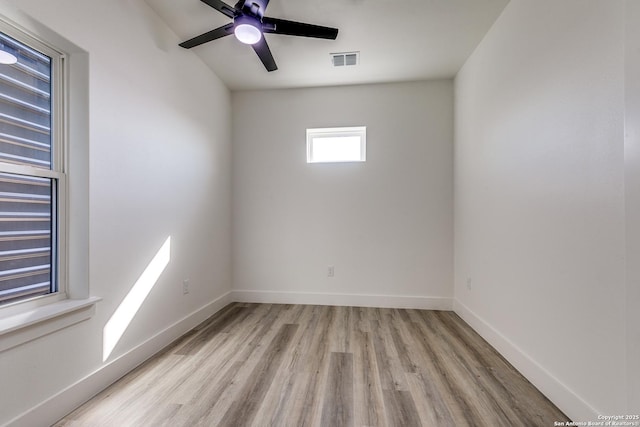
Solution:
(562, 396)
(65, 401)
(354, 300)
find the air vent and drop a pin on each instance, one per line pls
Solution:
(343, 59)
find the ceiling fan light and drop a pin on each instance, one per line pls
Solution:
(7, 58)
(247, 33)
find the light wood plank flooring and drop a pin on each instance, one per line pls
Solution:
(295, 365)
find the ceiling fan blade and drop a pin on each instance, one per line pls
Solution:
(264, 53)
(223, 31)
(291, 28)
(222, 7)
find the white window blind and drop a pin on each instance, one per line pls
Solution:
(28, 179)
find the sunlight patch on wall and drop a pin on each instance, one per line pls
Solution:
(126, 311)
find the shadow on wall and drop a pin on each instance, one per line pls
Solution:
(126, 311)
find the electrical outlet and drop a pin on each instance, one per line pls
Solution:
(331, 271)
(469, 283)
(185, 286)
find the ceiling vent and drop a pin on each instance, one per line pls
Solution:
(345, 59)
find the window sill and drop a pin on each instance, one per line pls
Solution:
(24, 327)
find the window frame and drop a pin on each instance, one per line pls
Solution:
(337, 132)
(57, 173)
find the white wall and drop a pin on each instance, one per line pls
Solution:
(386, 225)
(539, 198)
(159, 167)
(632, 186)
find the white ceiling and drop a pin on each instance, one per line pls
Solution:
(398, 40)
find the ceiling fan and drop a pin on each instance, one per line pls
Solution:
(249, 26)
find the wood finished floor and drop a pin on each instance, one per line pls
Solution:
(294, 365)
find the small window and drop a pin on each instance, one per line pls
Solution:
(332, 145)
